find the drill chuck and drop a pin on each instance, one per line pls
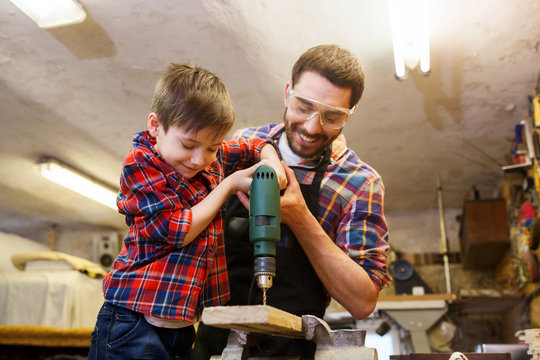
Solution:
(265, 270)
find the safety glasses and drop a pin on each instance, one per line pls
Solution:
(304, 108)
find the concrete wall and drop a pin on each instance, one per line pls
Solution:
(420, 231)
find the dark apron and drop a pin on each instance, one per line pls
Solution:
(296, 287)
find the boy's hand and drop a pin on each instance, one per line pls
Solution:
(280, 172)
(281, 178)
(244, 199)
(241, 180)
(271, 158)
(207, 208)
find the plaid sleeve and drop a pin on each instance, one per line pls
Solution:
(153, 207)
(253, 132)
(241, 153)
(363, 233)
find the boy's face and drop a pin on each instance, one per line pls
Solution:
(187, 152)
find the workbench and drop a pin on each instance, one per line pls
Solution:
(416, 313)
(244, 321)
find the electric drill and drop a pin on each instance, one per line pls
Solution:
(264, 225)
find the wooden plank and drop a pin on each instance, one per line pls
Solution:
(407, 297)
(419, 259)
(487, 301)
(261, 319)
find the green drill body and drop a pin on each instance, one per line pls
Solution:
(264, 224)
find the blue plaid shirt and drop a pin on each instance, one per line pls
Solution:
(350, 204)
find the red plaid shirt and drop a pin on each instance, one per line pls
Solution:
(154, 274)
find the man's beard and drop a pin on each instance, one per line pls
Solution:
(308, 154)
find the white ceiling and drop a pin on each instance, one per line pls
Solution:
(79, 93)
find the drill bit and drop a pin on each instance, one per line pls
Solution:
(264, 296)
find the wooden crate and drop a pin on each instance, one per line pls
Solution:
(484, 234)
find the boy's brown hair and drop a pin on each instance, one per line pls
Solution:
(338, 65)
(192, 98)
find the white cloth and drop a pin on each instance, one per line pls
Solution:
(62, 299)
(20, 260)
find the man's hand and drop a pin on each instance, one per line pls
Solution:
(292, 201)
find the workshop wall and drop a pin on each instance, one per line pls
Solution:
(420, 231)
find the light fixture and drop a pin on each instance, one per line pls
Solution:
(410, 36)
(52, 13)
(74, 180)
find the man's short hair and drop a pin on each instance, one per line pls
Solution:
(336, 64)
(192, 98)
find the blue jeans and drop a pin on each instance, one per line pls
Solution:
(124, 334)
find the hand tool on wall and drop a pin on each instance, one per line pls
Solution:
(443, 241)
(264, 225)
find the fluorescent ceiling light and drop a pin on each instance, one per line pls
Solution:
(410, 36)
(52, 13)
(76, 181)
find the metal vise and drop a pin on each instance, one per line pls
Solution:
(342, 344)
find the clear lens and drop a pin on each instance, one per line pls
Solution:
(305, 109)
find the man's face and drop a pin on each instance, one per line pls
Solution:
(308, 138)
(187, 152)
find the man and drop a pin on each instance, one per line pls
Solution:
(334, 234)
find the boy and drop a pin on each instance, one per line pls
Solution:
(173, 185)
